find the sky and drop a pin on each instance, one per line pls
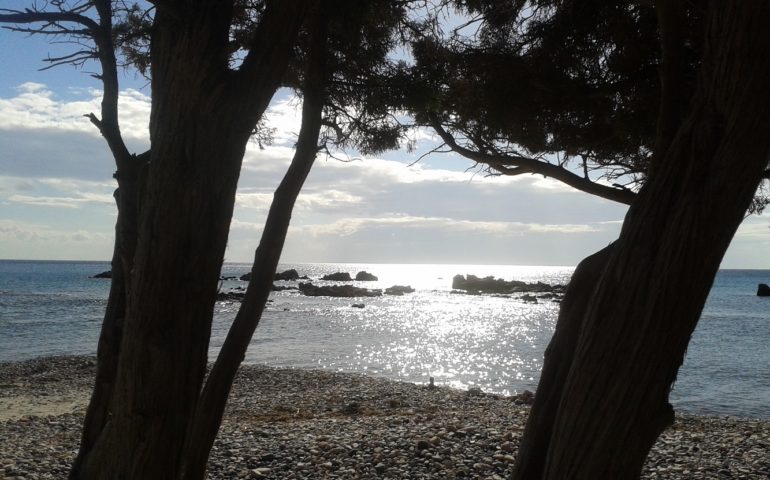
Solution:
(56, 189)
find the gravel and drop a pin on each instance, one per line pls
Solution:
(307, 424)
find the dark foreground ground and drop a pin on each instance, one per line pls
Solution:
(300, 424)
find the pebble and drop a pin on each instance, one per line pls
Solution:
(306, 424)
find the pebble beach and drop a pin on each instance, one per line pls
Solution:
(311, 424)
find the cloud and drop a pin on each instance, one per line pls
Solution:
(350, 226)
(755, 227)
(329, 199)
(39, 233)
(62, 202)
(56, 194)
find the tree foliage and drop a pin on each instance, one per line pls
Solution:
(567, 89)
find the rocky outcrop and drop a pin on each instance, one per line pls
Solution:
(490, 285)
(763, 290)
(107, 274)
(338, 277)
(337, 291)
(232, 296)
(398, 290)
(289, 275)
(280, 288)
(364, 276)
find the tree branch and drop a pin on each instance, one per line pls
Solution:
(269, 54)
(35, 16)
(521, 164)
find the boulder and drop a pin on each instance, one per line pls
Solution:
(107, 274)
(338, 277)
(399, 290)
(763, 290)
(290, 275)
(364, 276)
(337, 291)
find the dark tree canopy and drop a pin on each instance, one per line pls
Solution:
(567, 89)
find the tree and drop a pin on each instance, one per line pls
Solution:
(696, 139)
(644, 97)
(175, 203)
(204, 111)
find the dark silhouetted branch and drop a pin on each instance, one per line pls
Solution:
(522, 164)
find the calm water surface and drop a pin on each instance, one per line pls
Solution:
(49, 308)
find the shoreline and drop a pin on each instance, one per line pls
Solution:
(301, 424)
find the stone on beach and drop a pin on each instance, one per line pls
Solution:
(310, 424)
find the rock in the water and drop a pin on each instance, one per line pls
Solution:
(490, 285)
(280, 288)
(231, 295)
(289, 275)
(358, 305)
(399, 290)
(364, 276)
(529, 298)
(337, 291)
(246, 277)
(763, 290)
(107, 274)
(338, 277)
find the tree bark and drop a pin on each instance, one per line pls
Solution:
(530, 461)
(614, 402)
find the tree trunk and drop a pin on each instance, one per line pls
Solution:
(556, 365)
(126, 197)
(637, 326)
(202, 116)
(208, 416)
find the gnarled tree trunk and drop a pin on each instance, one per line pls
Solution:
(635, 330)
(202, 116)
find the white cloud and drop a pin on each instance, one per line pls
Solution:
(62, 202)
(350, 226)
(37, 107)
(39, 233)
(328, 199)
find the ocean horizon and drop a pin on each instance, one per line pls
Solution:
(490, 342)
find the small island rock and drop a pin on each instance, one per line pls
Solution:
(364, 276)
(763, 290)
(398, 290)
(289, 275)
(338, 277)
(311, 290)
(107, 274)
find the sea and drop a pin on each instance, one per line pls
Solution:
(463, 341)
